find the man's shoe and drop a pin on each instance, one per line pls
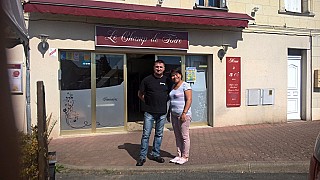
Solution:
(159, 159)
(140, 162)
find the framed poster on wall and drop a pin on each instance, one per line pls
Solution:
(15, 77)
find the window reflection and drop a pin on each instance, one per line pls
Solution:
(109, 70)
(171, 62)
(75, 70)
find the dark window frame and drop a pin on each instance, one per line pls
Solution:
(215, 4)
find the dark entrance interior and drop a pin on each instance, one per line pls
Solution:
(139, 66)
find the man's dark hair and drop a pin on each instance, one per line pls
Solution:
(159, 61)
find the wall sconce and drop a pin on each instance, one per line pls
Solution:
(253, 11)
(160, 2)
(43, 46)
(223, 51)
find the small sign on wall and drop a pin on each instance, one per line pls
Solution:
(15, 77)
(53, 52)
(233, 79)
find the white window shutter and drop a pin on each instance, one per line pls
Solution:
(305, 6)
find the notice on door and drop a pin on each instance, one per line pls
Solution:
(233, 77)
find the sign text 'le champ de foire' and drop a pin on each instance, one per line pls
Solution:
(142, 38)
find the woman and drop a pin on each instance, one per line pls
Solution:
(180, 111)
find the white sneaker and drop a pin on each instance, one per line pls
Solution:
(174, 160)
(182, 161)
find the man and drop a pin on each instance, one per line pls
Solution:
(153, 92)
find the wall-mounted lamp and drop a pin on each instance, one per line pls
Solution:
(43, 46)
(160, 2)
(223, 51)
(253, 11)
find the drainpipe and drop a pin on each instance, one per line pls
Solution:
(28, 108)
(310, 41)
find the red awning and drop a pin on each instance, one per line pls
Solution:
(138, 12)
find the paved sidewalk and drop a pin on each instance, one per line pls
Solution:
(284, 147)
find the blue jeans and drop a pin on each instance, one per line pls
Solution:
(149, 118)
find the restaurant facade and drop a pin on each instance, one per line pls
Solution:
(92, 56)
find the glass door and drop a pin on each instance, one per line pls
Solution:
(196, 67)
(110, 101)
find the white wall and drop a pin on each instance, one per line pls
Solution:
(62, 35)
(263, 65)
(316, 65)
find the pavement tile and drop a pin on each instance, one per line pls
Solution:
(246, 145)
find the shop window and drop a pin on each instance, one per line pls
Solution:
(109, 70)
(75, 94)
(211, 3)
(75, 70)
(76, 90)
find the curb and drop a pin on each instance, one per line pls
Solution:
(248, 167)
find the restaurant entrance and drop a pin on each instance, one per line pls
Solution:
(140, 66)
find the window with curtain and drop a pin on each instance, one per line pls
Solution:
(298, 6)
(293, 5)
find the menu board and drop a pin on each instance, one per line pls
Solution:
(233, 79)
(15, 77)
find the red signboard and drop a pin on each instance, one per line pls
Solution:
(141, 38)
(233, 77)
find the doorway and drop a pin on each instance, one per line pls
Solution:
(294, 88)
(139, 66)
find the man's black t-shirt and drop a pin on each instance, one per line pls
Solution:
(155, 94)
